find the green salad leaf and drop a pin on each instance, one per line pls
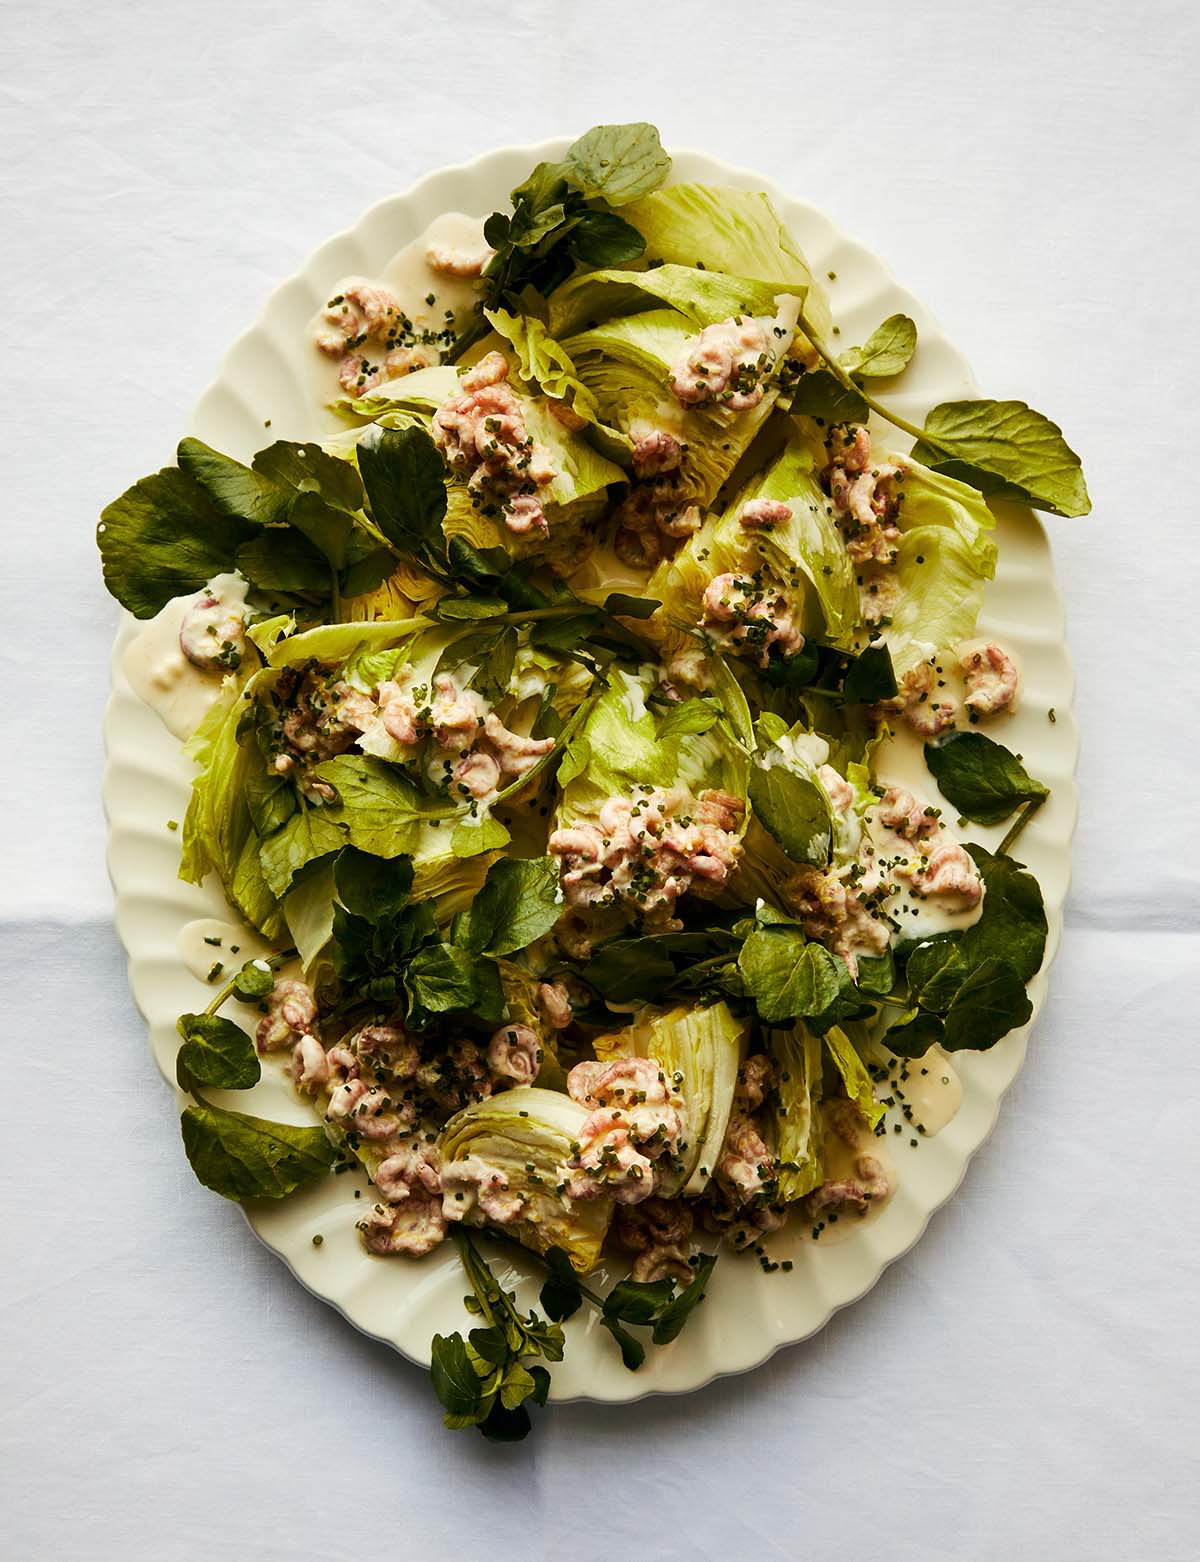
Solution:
(243, 1157)
(215, 1052)
(886, 352)
(1007, 451)
(985, 781)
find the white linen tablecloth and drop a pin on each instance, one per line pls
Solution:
(1025, 1382)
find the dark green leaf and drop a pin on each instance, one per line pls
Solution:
(689, 716)
(446, 979)
(914, 1034)
(235, 490)
(215, 1052)
(633, 1352)
(367, 572)
(242, 1157)
(255, 980)
(630, 607)
(374, 888)
(677, 1313)
(983, 779)
(461, 609)
(1006, 450)
(163, 538)
(1013, 924)
(490, 1345)
(604, 239)
(560, 1296)
(506, 1426)
(541, 1385)
(790, 978)
(795, 810)
(307, 835)
(283, 560)
(991, 1002)
(870, 677)
(629, 970)
(380, 809)
(308, 469)
(405, 478)
(617, 162)
(326, 527)
(517, 905)
(821, 395)
(473, 837)
(454, 1379)
(886, 352)
(876, 974)
(638, 1301)
(271, 800)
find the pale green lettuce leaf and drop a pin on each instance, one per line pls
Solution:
(854, 1074)
(524, 1128)
(796, 1055)
(735, 231)
(944, 557)
(702, 1048)
(703, 297)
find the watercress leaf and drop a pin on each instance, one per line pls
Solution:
(255, 980)
(787, 977)
(242, 1157)
(375, 889)
(541, 1385)
(305, 836)
(935, 972)
(461, 609)
(563, 636)
(673, 1317)
(1012, 926)
(985, 781)
(518, 904)
(163, 538)
(793, 672)
(560, 1297)
(876, 974)
(490, 1346)
(496, 230)
(795, 809)
(693, 715)
(625, 606)
(628, 970)
(405, 479)
(326, 527)
(638, 1301)
(870, 677)
(886, 351)
(271, 800)
(991, 1002)
(502, 1425)
(280, 559)
(913, 1034)
(473, 837)
(234, 489)
(380, 809)
(441, 979)
(618, 162)
(368, 571)
(820, 394)
(604, 239)
(517, 1385)
(306, 468)
(1007, 450)
(215, 1052)
(576, 756)
(454, 1380)
(633, 1352)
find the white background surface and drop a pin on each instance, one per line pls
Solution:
(1027, 1380)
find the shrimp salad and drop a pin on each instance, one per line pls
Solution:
(589, 733)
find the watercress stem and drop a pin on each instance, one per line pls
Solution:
(1018, 824)
(839, 373)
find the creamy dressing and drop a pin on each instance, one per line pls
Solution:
(927, 1091)
(410, 277)
(179, 692)
(839, 1161)
(208, 942)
